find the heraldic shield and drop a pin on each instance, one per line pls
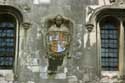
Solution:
(58, 37)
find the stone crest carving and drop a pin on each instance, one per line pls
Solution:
(59, 32)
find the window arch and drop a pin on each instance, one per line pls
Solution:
(109, 34)
(10, 20)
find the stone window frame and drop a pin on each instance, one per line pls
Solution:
(16, 13)
(14, 20)
(116, 22)
(116, 14)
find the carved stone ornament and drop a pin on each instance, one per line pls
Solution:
(59, 32)
(26, 25)
(89, 27)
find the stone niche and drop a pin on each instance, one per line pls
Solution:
(57, 41)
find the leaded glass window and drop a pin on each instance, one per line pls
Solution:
(109, 31)
(7, 41)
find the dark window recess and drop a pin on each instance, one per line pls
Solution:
(7, 41)
(109, 46)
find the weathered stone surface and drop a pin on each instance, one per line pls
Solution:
(32, 63)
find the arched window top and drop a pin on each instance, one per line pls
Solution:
(7, 20)
(7, 17)
(6, 10)
(109, 22)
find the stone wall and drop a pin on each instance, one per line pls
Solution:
(31, 59)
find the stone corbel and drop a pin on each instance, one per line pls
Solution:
(26, 25)
(89, 28)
